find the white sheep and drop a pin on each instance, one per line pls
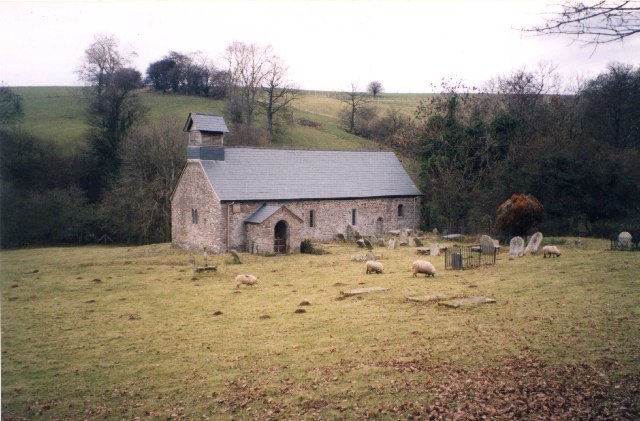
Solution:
(551, 251)
(249, 280)
(374, 267)
(422, 266)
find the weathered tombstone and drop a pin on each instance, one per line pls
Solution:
(206, 260)
(394, 232)
(339, 237)
(434, 249)
(456, 261)
(435, 231)
(486, 245)
(348, 233)
(417, 242)
(360, 243)
(624, 240)
(381, 242)
(404, 237)
(367, 244)
(236, 257)
(392, 244)
(516, 246)
(534, 243)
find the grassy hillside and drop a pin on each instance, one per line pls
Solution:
(125, 332)
(58, 113)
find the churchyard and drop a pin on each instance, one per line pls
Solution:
(107, 332)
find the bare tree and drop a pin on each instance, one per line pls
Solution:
(277, 93)
(602, 22)
(354, 100)
(101, 61)
(374, 88)
(247, 66)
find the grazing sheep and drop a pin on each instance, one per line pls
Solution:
(551, 251)
(422, 266)
(374, 267)
(249, 280)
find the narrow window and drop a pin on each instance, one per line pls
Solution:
(353, 217)
(312, 221)
(400, 210)
(194, 216)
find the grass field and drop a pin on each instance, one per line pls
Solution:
(59, 114)
(125, 332)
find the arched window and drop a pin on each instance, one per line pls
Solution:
(400, 210)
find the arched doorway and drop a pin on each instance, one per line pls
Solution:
(280, 238)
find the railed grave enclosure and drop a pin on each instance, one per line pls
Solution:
(468, 257)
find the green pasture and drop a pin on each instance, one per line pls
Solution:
(59, 114)
(111, 332)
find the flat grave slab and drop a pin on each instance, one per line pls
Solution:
(459, 302)
(359, 291)
(430, 298)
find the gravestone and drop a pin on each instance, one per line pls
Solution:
(359, 291)
(624, 241)
(456, 261)
(349, 234)
(417, 242)
(380, 242)
(404, 238)
(486, 245)
(392, 244)
(534, 243)
(367, 244)
(360, 243)
(516, 246)
(435, 231)
(434, 250)
(236, 257)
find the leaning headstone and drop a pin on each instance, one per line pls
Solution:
(434, 249)
(534, 243)
(486, 245)
(367, 243)
(236, 257)
(417, 242)
(360, 243)
(392, 244)
(624, 240)
(516, 246)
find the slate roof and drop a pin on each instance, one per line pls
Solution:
(288, 174)
(205, 123)
(262, 213)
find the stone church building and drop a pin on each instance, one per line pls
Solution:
(265, 201)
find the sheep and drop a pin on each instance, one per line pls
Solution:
(248, 280)
(374, 267)
(422, 266)
(551, 251)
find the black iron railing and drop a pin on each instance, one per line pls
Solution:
(467, 257)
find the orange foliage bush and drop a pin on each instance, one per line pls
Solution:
(519, 213)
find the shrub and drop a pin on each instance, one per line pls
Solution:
(518, 214)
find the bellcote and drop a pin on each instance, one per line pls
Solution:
(205, 129)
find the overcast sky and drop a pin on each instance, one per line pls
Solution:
(406, 45)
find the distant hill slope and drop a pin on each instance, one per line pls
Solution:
(59, 114)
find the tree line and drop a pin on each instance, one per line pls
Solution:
(579, 154)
